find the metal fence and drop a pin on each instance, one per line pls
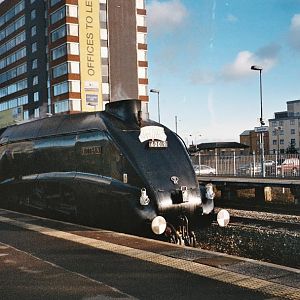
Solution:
(273, 165)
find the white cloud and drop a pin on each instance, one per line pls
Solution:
(295, 23)
(294, 34)
(240, 68)
(165, 16)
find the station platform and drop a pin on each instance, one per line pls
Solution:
(48, 259)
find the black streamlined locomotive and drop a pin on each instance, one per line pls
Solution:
(116, 169)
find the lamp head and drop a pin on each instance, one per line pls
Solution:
(257, 68)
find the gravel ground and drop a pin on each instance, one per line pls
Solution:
(280, 245)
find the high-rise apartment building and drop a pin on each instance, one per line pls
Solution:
(67, 56)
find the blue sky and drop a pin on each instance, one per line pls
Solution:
(200, 53)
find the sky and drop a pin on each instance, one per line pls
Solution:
(200, 54)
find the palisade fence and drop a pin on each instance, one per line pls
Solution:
(272, 165)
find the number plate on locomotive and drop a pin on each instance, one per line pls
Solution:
(158, 144)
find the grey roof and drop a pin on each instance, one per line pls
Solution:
(246, 132)
(221, 145)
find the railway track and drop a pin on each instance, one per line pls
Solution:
(264, 220)
(270, 237)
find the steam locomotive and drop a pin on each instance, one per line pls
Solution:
(116, 169)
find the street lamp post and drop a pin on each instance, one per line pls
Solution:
(258, 68)
(158, 110)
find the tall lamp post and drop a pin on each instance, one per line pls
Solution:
(262, 123)
(156, 92)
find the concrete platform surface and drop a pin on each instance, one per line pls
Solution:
(46, 259)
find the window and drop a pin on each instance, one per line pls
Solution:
(142, 55)
(12, 27)
(281, 142)
(36, 112)
(280, 123)
(60, 88)
(292, 122)
(142, 72)
(53, 2)
(292, 131)
(61, 106)
(12, 88)
(35, 80)
(58, 15)
(103, 16)
(72, 11)
(12, 12)
(34, 64)
(74, 86)
(69, 67)
(34, 47)
(12, 43)
(104, 70)
(293, 142)
(140, 4)
(58, 33)
(26, 115)
(105, 88)
(22, 85)
(73, 67)
(59, 52)
(36, 96)
(70, 48)
(75, 104)
(274, 142)
(143, 90)
(33, 14)
(33, 30)
(60, 70)
(140, 20)
(141, 39)
(21, 69)
(73, 48)
(72, 29)
(104, 52)
(103, 34)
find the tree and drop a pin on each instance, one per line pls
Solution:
(291, 149)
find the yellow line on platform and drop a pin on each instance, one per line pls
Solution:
(252, 283)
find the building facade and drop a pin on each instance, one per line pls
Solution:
(284, 129)
(252, 139)
(67, 56)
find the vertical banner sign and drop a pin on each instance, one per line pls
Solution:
(90, 60)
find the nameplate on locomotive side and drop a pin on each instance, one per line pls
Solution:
(158, 144)
(91, 150)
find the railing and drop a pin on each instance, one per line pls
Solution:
(273, 165)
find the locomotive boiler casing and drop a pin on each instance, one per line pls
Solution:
(115, 168)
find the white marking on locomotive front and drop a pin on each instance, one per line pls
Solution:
(175, 179)
(152, 133)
